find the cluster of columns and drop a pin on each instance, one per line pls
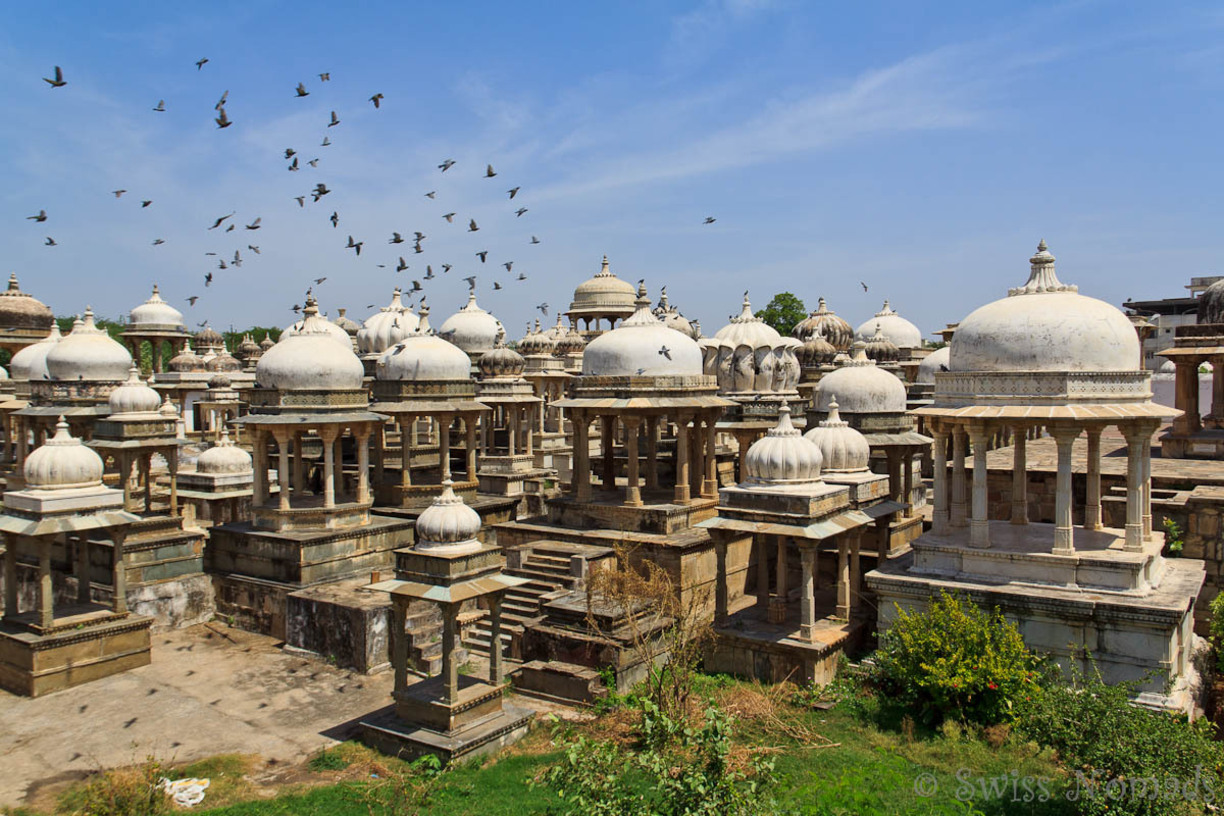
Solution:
(1186, 395)
(158, 356)
(44, 606)
(696, 461)
(291, 464)
(136, 472)
(450, 643)
(408, 440)
(517, 419)
(955, 509)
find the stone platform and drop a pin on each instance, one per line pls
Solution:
(86, 643)
(343, 622)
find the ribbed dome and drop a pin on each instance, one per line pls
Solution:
(557, 332)
(31, 362)
(642, 347)
(209, 340)
(349, 325)
(536, 342)
(186, 360)
(501, 361)
(63, 463)
(932, 364)
(248, 348)
(826, 324)
(21, 311)
(881, 349)
(572, 343)
(423, 356)
(603, 293)
(134, 396)
(266, 343)
(471, 328)
(223, 361)
(311, 359)
(219, 381)
(390, 325)
(843, 449)
(323, 326)
(896, 328)
(1045, 325)
(782, 457)
(224, 457)
(861, 387)
(815, 351)
(448, 526)
(88, 353)
(156, 313)
(748, 330)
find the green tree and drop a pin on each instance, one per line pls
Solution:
(783, 312)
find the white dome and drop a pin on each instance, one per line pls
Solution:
(1167, 367)
(31, 362)
(310, 359)
(932, 364)
(134, 396)
(4, 375)
(324, 326)
(88, 353)
(861, 387)
(900, 332)
(156, 312)
(501, 361)
(603, 294)
(224, 457)
(448, 525)
(537, 342)
(1045, 325)
(423, 356)
(642, 347)
(748, 330)
(783, 457)
(390, 325)
(471, 328)
(63, 463)
(844, 449)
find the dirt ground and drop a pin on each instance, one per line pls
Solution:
(209, 690)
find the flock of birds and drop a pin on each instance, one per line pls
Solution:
(415, 238)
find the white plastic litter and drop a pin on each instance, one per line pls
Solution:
(185, 792)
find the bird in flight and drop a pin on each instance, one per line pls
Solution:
(354, 245)
(237, 258)
(320, 190)
(220, 221)
(319, 280)
(335, 120)
(446, 165)
(58, 82)
(118, 192)
(293, 167)
(522, 276)
(508, 264)
(543, 307)
(496, 286)
(221, 102)
(416, 286)
(254, 225)
(222, 120)
(50, 242)
(301, 90)
(519, 212)
(535, 240)
(208, 278)
(446, 268)
(709, 220)
(289, 153)
(420, 236)
(482, 254)
(665, 351)
(146, 203)
(161, 106)
(376, 99)
(326, 141)
(472, 226)
(863, 285)
(396, 238)
(513, 191)
(254, 249)
(402, 265)
(471, 281)
(490, 172)
(417, 248)
(158, 241)
(230, 228)
(313, 162)
(429, 275)
(221, 264)
(450, 217)
(432, 194)
(42, 216)
(335, 219)
(200, 63)
(301, 200)
(192, 300)
(324, 77)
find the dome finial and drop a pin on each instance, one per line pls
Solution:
(13, 286)
(1042, 278)
(834, 418)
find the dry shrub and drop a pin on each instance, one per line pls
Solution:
(768, 708)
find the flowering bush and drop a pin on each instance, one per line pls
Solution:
(955, 661)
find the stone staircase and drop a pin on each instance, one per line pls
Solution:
(424, 631)
(547, 570)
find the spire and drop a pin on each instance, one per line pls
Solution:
(603, 271)
(13, 285)
(834, 419)
(784, 427)
(423, 327)
(746, 315)
(1042, 278)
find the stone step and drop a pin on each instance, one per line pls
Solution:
(522, 609)
(560, 563)
(535, 584)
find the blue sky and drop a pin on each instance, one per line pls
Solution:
(921, 148)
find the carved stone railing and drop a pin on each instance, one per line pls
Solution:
(1052, 387)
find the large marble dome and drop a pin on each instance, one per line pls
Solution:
(642, 347)
(1045, 325)
(22, 312)
(471, 328)
(861, 387)
(424, 356)
(387, 327)
(603, 294)
(895, 328)
(31, 362)
(746, 329)
(88, 353)
(156, 313)
(310, 359)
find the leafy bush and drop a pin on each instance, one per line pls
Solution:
(1174, 541)
(954, 660)
(122, 792)
(328, 760)
(681, 770)
(1217, 629)
(1124, 759)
